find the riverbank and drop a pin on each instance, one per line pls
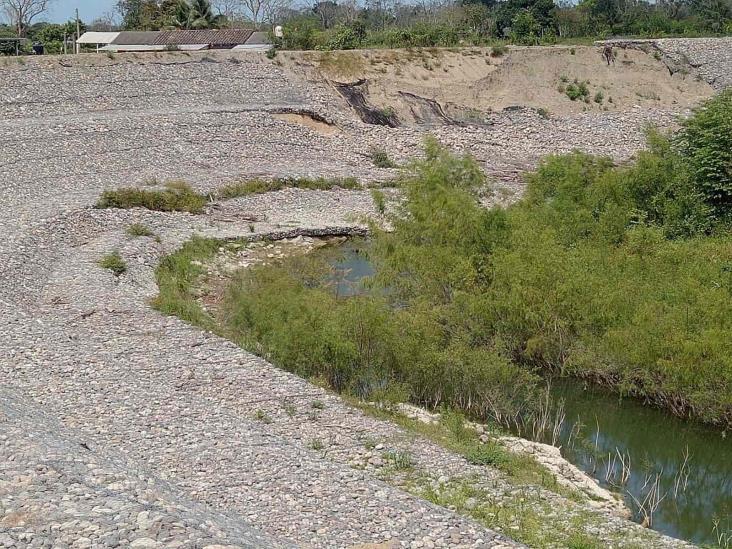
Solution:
(578, 503)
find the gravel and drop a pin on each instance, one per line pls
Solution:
(122, 427)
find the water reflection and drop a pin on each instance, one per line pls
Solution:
(693, 492)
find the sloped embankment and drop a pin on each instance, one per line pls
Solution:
(443, 86)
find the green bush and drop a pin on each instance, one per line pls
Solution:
(259, 186)
(114, 262)
(381, 159)
(177, 197)
(706, 142)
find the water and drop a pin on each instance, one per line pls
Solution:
(693, 492)
(655, 442)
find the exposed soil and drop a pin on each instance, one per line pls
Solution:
(467, 82)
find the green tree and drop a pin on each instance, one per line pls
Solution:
(705, 142)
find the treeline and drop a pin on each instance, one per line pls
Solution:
(347, 25)
(621, 275)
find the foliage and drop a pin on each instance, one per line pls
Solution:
(381, 159)
(615, 274)
(179, 198)
(138, 229)
(706, 142)
(114, 262)
(259, 186)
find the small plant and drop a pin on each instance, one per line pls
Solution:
(289, 409)
(564, 78)
(110, 54)
(572, 51)
(379, 199)
(177, 197)
(499, 50)
(317, 444)
(114, 262)
(485, 454)
(599, 97)
(544, 113)
(400, 459)
(138, 229)
(271, 53)
(261, 415)
(318, 405)
(381, 159)
(578, 90)
(251, 227)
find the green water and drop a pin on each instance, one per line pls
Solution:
(695, 492)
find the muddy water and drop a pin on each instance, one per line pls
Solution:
(679, 472)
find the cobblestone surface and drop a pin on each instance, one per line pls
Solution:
(119, 425)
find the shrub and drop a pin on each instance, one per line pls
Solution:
(381, 159)
(114, 262)
(178, 198)
(706, 142)
(599, 97)
(499, 50)
(138, 229)
(259, 186)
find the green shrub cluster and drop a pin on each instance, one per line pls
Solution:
(621, 275)
(114, 262)
(178, 197)
(259, 186)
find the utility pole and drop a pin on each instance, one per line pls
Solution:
(78, 31)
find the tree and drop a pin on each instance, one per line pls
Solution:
(22, 12)
(196, 14)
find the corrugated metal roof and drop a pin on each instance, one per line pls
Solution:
(97, 37)
(128, 38)
(222, 37)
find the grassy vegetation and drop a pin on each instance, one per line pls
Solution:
(259, 186)
(176, 277)
(619, 275)
(177, 197)
(180, 197)
(381, 159)
(138, 229)
(114, 262)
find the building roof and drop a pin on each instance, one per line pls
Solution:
(129, 38)
(97, 38)
(152, 47)
(258, 38)
(223, 37)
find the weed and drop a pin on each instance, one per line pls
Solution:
(317, 444)
(599, 97)
(289, 408)
(544, 113)
(114, 262)
(499, 50)
(138, 229)
(261, 415)
(260, 186)
(317, 404)
(271, 53)
(401, 460)
(177, 197)
(381, 159)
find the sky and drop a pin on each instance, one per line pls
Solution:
(63, 10)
